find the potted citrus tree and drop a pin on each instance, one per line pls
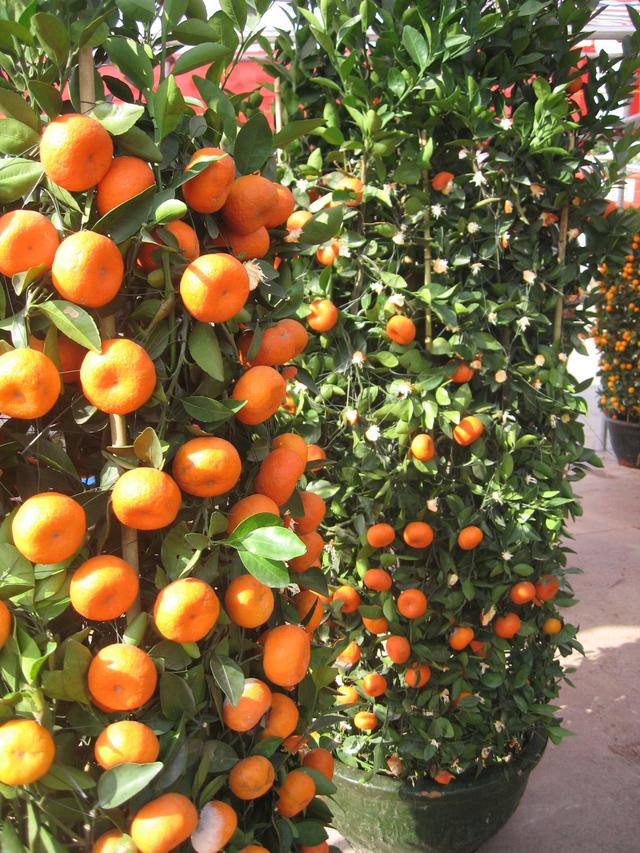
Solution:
(156, 683)
(459, 159)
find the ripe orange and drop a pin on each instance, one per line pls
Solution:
(401, 330)
(5, 623)
(314, 512)
(149, 257)
(298, 334)
(145, 499)
(87, 269)
(422, 447)
(443, 777)
(246, 247)
(251, 777)
(460, 638)
(522, 592)
(377, 579)
(287, 652)
(348, 596)
(350, 655)
(126, 742)
(295, 744)
(186, 610)
(321, 760)
(121, 677)
(296, 792)
(27, 751)
(207, 467)
(315, 454)
(164, 823)
(470, 537)
(208, 190)
(417, 675)
(441, 182)
(347, 695)
(398, 649)
(323, 847)
(251, 505)
(119, 379)
(298, 220)
(218, 821)
(547, 588)
(412, 603)
(376, 626)
(365, 721)
(29, 384)
(127, 177)
(418, 534)
(103, 588)
(462, 695)
(264, 390)
(49, 528)
(374, 684)
(277, 346)
(305, 601)
(507, 626)
(214, 287)
(282, 718)
(70, 356)
(250, 203)
(293, 442)
(552, 626)
(282, 209)
(478, 648)
(327, 255)
(279, 473)
(468, 430)
(113, 841)
(248, 602)
(354, 185)
(27, 239)
(314, 544)
(251, 708)
(463, 373)
(323, 315)
(75, 152)
(380, 535)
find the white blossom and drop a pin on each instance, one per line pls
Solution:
(537, 384)
(529, 276)
(358, 358)
(388, 188)
(478, 179)
(539, 360)
(445, 696)
(440, 265)
(476, 267)
(500, 376)
(498, 725)
(483, 667)
(298, 387)
(496, 497)
(530, 480)
(435, 743)
(523, 323)
(481, 156)
(473, 227)
(492, 317)
(372, 433)
(302, 185)
(432, 505)
(485, 752)
(553, 421)
(452, 580)
(399, 238)
(255, 273)
(437, 210)
(562, 356)
(506, 123)
(402, 389)
(376, 286)
(344, 251)
(396, 299)
(463, 154)
(507, 556)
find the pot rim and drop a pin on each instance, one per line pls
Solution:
(624, 424)
(521, 763)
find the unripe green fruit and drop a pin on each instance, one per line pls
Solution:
(156, 279)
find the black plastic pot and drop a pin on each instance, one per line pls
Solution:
(625, 440)
(386, 815)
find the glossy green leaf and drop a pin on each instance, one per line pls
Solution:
(123, 782)
(205, 350)
(228, 676)
(196, 57)
(73, 321)
(254, 144)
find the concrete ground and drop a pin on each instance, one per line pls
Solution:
(584, 796)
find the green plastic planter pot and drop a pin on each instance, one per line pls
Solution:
(385, 815)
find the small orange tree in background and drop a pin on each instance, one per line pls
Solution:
(154, 673)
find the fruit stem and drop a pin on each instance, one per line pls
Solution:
(562, 254)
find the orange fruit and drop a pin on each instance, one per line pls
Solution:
(297, 444)
(462, 695)
(552, 626)
(295, 744)
(87, 269)
(547, 588)
(113, 841)
(296, 792)
(376, 626)
(75, 152)
(186, 610)
(314, 544)
(126, 742)
(218, 821)
(277, 346)
(380, 535)
(126, 178)
(305, 601)
(251, 777)
(298, 334)
(441, 182)
(145, 499)
(323, 847)
(164, 823)
(214, 287)
(323, 315)
(522, 592)
(250, 203)
(401, 330)
(417, 675)
(251, 505)
(29, 384)
(412, 603)
(418, 534)
(251, 708)
(398, 649)
(377, 579)
(443, 777)
(298, 219)
(27, 751)
(70, 356)
(365, 721)
(5, 623)
(282, 209)
(49, 528)
(27, 239)
(282, 718)
(468, 430)
(470, 537)
(121, 677)
(207, 467)
(327, 255)
(248, 602)
(478, 648)
(507, 626)
(321, 760)
(348, 596)
(315, 454)
(460, 638)
(279, 472)
(463, 373)
(119, 379)
(208, 190)
(374, 684)
(354, 185)
(350, 655)
(245, 246)
(264, 389)
(287, 652)
(347, 695)
(103, 588)
(149, 257)
(422, 447)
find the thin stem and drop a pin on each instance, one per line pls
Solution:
(562, 254)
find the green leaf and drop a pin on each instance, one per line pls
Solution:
(63, 777)
(254, 144)
(131, 59)
(15, 106)
(210, 411)
(193, 31)
(17, 178)
(134, 633)
(16, 137)
(123, 782)
(176, 697)
(125, 220)
(117, 118)
(73, 321)
(295, 129)
(51, 454)
(322, 226)
(137, 143)
(147, 448)
(323, 786)
(9, 840)
(228, 676)
(416, 46)
(16, 572)
(196, 57)
(205, 350)
(47, 97)
(236, 11)
(272, 573)
(168, 106)
(52, 35)
(275, 543)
